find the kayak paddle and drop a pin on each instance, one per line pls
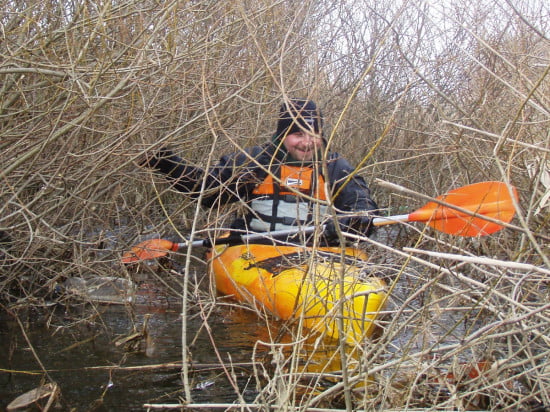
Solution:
(474, 210)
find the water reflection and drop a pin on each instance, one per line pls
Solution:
(104, 362)
(101, 360)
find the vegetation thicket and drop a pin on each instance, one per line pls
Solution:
(423, 95)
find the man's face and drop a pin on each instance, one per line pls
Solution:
(302, 146)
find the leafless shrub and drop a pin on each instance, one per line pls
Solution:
(428, 97)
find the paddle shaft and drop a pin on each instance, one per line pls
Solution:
(377, 221)
(249, 237)
(389, 220)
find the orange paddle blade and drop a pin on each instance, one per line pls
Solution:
(490, 199)
(149, 249)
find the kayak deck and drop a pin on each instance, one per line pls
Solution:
(324, 288)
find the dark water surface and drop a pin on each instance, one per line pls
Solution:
(83, 348)
(94, 373)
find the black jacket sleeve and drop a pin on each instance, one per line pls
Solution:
(184, 178)
(353, 193)
(231, 179)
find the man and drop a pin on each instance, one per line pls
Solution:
(285, 183)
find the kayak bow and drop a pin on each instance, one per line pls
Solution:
(318, 287)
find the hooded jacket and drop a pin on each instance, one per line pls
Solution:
(236, 176)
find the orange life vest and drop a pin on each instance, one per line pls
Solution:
(277, 203)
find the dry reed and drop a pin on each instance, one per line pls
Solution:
(421, 96)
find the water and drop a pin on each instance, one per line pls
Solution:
(81, 346)
(83, 358)
(78, 347)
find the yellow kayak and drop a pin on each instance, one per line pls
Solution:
(318, 286)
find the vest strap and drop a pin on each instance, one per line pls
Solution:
(289, 221)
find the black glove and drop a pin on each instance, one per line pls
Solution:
(185, 178)
(357, 225)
